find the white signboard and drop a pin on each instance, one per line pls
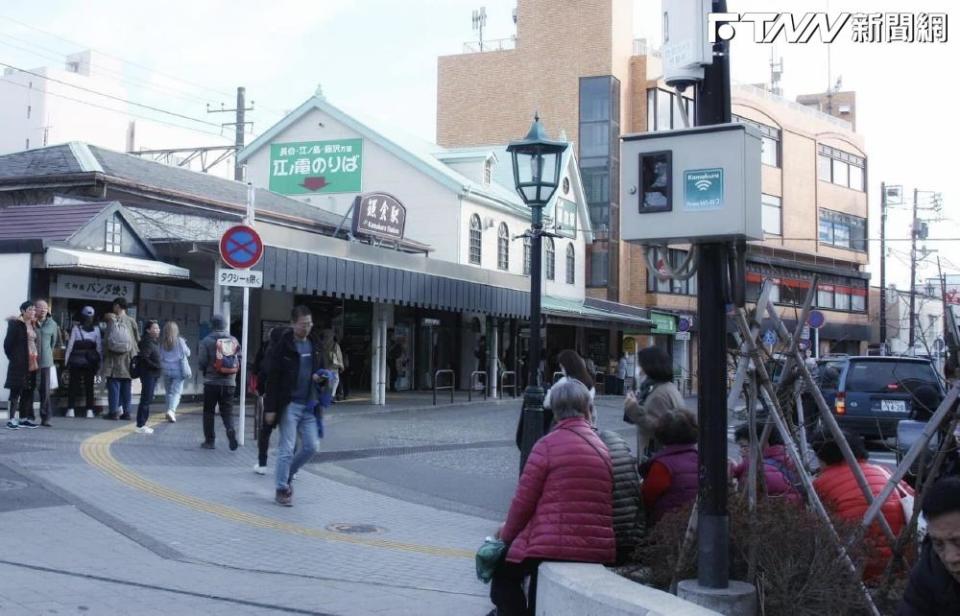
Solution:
(681, 336)
(97, 289)
(241, 278)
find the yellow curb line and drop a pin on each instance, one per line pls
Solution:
(95, 450)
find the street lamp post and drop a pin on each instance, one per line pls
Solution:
(536, 174)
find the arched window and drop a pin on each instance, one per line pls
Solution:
(476, 234)
(503, 247)
(551, 258)
(571, 265)
(527, 249)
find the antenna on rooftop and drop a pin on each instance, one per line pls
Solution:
(479, 22)
(776, 73)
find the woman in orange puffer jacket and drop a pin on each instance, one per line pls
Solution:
(840, 493)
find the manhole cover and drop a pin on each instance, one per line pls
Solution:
(10, 484)
(354, 529)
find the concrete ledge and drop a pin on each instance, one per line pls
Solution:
(579, 589)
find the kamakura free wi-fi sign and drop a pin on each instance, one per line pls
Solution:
(691, 185)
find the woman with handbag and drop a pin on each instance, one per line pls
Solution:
(175, 360)
(563, 506)
(82, 359)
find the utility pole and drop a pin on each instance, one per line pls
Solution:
(713, 107)
(240, 125)
(883, 268)
(913, 272)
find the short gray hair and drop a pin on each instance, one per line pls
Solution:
(569, 398)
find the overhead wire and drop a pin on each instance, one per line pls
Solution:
(118, 111)
(110, 96)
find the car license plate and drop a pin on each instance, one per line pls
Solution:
(893, 406)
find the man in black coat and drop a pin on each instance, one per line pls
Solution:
(293, 359)
(934, 588)
(23, 365)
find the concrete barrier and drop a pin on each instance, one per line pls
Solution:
(579, 589)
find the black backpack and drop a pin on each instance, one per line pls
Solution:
(84, 355)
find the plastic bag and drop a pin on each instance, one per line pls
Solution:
(489, 557)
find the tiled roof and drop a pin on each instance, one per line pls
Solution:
(55, 160)
(50, 222)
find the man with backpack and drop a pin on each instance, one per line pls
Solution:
(121, 344)
(219, 360)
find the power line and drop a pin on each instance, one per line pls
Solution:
(50, 54)
(116, 57)
(110, 96)
(118, 111)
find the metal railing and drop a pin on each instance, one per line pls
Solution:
(473, 381)
(512, 385)
(502, 44)
(437, 387)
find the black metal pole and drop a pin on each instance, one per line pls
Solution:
(913, 274)
(883, 268)
(713, 107)
(533, 427)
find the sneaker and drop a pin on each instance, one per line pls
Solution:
(46, 423)
(284, 498)
(232, 437)
(144, 430)
(90, 414)
(171, 417)
(260, 470)
(125, 416)
(27, 423)
(69, 413)
(13, 424)
(207, 445)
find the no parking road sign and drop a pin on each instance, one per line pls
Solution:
(241, 247)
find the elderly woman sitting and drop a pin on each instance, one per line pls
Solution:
(563, 507)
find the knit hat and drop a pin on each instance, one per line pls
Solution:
(87, 311)
(217, 322)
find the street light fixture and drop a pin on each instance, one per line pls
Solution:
(536, 174)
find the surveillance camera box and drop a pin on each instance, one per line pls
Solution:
(691, 185)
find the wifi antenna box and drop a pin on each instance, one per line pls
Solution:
(691, 185)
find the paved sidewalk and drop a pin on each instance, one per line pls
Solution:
(153, 524)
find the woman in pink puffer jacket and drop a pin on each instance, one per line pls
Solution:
(563, 507)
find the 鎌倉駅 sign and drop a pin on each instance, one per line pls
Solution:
(316, 167)
(380, 215)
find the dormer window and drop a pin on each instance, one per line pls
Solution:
(114, 236)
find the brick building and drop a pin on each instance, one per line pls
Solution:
(579, 65)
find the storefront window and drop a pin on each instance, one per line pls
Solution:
(842, 299)
(825, 296)
(858, 303)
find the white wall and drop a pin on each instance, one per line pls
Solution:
(15, 282)
(432, 209)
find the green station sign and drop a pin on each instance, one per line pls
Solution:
(316, 167)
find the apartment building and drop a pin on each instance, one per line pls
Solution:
(579, 65)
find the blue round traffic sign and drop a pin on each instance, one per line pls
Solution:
(816, 319)
(241, 247)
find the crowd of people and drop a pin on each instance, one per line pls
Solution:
(584, 496)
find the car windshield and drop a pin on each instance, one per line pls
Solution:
(889, 376)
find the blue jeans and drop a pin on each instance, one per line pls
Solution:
(118, 394)
(173, 389)
(295, 418)
(148, 384)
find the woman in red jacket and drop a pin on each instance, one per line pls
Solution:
(840, 493)
(563, 507)
(670, 477)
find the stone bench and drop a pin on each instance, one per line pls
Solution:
(579, 589)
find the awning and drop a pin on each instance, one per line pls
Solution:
(68, 258)
(597, 312)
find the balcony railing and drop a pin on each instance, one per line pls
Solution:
(503, 44)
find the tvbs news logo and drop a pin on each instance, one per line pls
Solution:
(863, 27)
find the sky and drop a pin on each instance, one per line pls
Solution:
(379, 58)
